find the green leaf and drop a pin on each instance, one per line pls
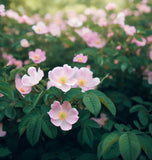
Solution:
(143, 117)
(138, 38)
(4, 151)
(38, 98)
(145, 142)
(87, 136)
(137, 108)
(28, 109)
(48, 128)
(84, 115)
(24, 121)
(3, 104)
(137, 99)
(108, 141)
(33, 131)
(108, 125)
(91, 123)
(1, 115)
(105, 100)
(124, 66)
(112, 152)
(10, 112)
(15, 71)
(129, 146)
(150, 128)
(73, 93)
(87, 156)
(6, 90)
(55, 92)
(64, 155)
(92, 103)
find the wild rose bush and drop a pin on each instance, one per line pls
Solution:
(76, 86)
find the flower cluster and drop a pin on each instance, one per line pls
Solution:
(66, 78)
(91, 38)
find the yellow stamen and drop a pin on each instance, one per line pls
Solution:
(39, 29)
(80, 59)
(25, 44)
(36, 57)
(22, 90)
(63, 80)
(81, 82)
(62, 115)
(98, 42)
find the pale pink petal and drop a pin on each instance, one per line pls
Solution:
(40, 73)
(56, 104)
(31, 71)
(2, 133)
(66, 106)
(94, 82)
(56, 122)
(65, 88)
(72, 116)
(26, 80)
(18, 82)
(65, 126)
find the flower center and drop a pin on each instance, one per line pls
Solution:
(81, 82)
(22, 90)
(25, 44)
(63, 80)
(36, 57)
(80, 59)
(126, 27)
(62, 115)
(98, 42)
(39, 29)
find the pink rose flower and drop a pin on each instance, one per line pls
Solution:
(24, 43)
(120, 19)
(139, 43)
(143, 8)
(116, 61)
(149, 39)
(18, 63)
(2, 133)
(74, 22)
(40, 28)
(85, 79)
(72, 38)
(63, 115)
(102, 120)
(12, 14)
(149, 77)
(150, 55)
(38, 56)
(20, 87)
(111, 6)
(54, 29)
(33, 78)
(110, 34)
(2, 10)
(130, 30)
(26, 19)
(118, 47)
(62, 77)
(80, 58)
(1, 95)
